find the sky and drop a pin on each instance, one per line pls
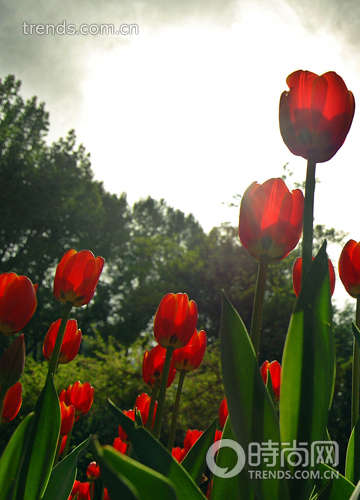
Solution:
(185, 107)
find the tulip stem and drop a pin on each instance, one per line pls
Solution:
(308, 218)
(154, 394)
(256, 318)
(164, 379)
(53, 363)
(356, 373)
(176, 409)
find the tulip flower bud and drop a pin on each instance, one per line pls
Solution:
(315, 114)
(17, 302)
(175, 320)
(153, 364)
(349, 268)
(77, 276)
(12, 403)
(271, 219)
(223, 412)
(189, 358)
(273, 370)
(12, 362)
(70, 343)
(93, 471)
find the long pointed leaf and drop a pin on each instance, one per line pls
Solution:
(63, 475)
(11, 458)
(238, 487)
(152, 453)
(41, 445)
(308, 365)
(251, 410)
(146, 480)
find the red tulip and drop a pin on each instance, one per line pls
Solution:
(315, 114)
(17, 302)
(190, 357)
(297, 273)
(93, 471)
(142, 403)
(191, 436)
(77, 275)
(153, 364)
(67, 418)
(223, 412)
(271, 219)
(175, 320)
(178, 453)
(62, 444)
(218, 435)
(274, 370)
(349, 268)
(106, 495)
(12, 403)
(120, 445)
(122, 433)
(81, 396)
(80, 491)
(70, 344)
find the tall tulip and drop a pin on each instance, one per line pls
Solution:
(270, 226)
(186, 359)
(174, 323)
(315, 114)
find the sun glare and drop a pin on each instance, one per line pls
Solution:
(190, 112)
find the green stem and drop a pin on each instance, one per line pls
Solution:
(356, 374)
(164, 379)
(256, 318)
(308, 218)
(56, 352)
(176, 409)
(154, 394)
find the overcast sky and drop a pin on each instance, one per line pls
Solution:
(187, 109)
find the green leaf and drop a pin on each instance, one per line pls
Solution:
(63, 475)
(352, 467)
(118, 485)
(146, 480)
(11, 459)
(251, 410)
(336, 488)
(308, 365)
(195, 460)
(41, 445)
(356, 493)
(152, 453)
(238, 487)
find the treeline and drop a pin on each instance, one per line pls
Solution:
(51, 202)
